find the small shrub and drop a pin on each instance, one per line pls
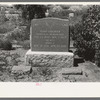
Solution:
(18, 34)
(6, 27)
(25, 44)
(5, 44)
(1, 43)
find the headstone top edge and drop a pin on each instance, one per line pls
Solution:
(51, 18)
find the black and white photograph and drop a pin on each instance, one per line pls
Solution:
(49, 42)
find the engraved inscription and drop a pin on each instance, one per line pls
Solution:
(49, 38)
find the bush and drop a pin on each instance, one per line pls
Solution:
(1, 43)
(25, 44)
(5, 45)
(18, 34)
(85, 33)
(6, 27)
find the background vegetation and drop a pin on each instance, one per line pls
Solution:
(86, 32)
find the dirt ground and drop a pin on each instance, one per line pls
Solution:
(90, 73)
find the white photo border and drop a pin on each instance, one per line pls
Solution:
(49, 89)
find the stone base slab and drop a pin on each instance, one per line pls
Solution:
(72, 71)
(49, 59)
(22, 69)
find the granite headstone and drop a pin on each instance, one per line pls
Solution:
(50, 34)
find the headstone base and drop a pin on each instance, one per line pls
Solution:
(22, 69)
(49, 59)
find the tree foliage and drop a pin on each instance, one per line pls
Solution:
(3, 18)
(86, 32)
(32, 11)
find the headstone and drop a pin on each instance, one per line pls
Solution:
(49, 42)
(50, 34)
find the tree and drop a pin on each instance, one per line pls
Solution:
(85, 33)
(30, 12)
